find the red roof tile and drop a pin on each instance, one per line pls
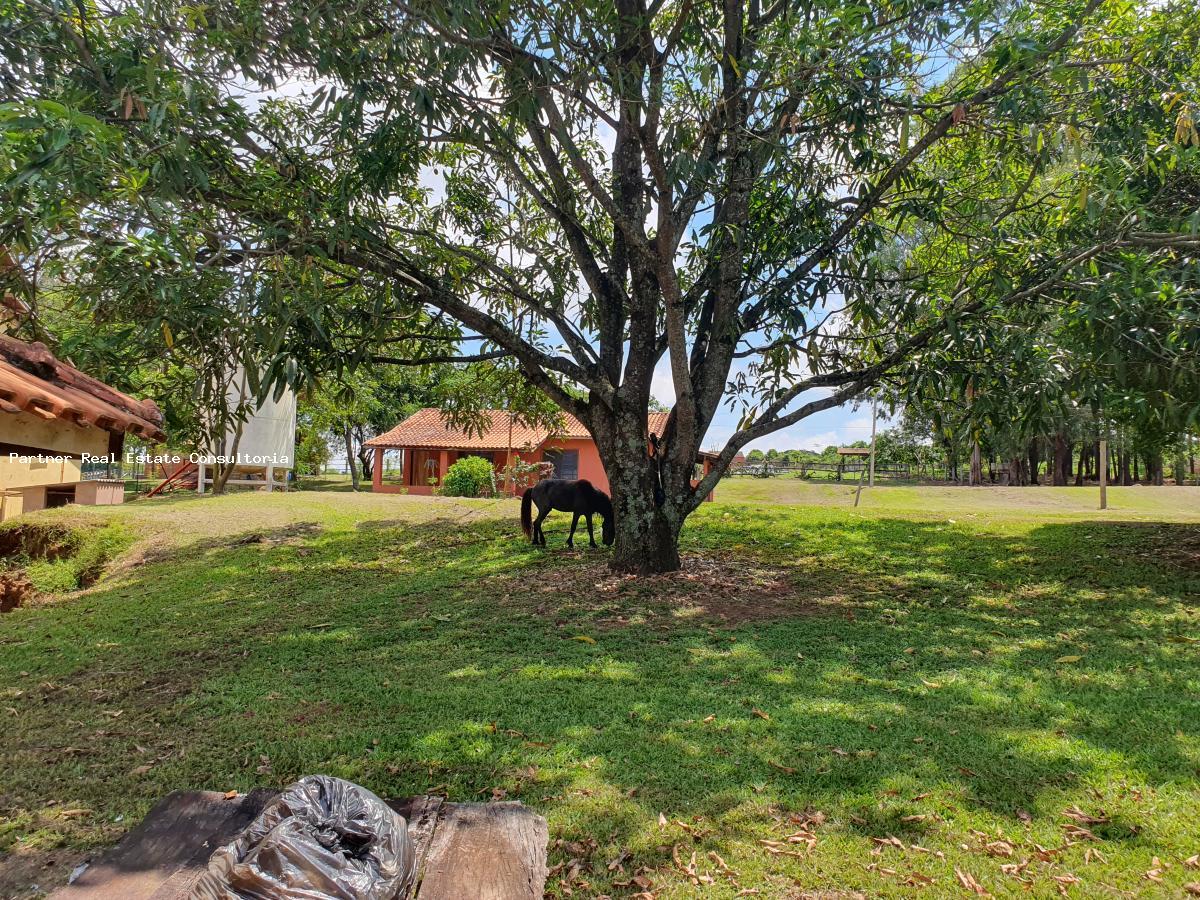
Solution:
(428, 428)
(34, 382)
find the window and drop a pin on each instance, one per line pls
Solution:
(566, 463)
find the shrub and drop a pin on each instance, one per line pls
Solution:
(471, 476)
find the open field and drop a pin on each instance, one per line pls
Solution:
(940, 688)
(1170, 504)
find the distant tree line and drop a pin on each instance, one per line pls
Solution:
(941, 445)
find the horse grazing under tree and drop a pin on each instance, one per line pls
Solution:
(576, 497)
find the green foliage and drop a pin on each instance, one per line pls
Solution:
(312, 451)
(469, 476)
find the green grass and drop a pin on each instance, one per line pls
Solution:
(939, 667)
(76, 558)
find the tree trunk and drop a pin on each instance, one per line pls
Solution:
(1016, 468)
(1035, 455)
(1154, 469)
(1062, 460)
(350, 457)
(649, 507)
(222, 471)
(976, 466)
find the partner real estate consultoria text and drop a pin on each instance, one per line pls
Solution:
(237, 459)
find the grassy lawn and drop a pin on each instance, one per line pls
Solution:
(942, 688)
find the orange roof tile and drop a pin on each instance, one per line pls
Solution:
(34, 382)
(429, 428)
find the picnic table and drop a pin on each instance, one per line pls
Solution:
(465, 851)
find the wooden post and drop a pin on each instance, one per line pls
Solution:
(508, 472)
(270, 479)
(443, 464)
(1104, 474)
(200, 471)
(874, 416)
(377, 471)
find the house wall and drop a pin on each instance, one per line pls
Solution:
(416, 473)
(590, 467)
(23, 484)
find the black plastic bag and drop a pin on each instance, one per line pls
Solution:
(321, 839)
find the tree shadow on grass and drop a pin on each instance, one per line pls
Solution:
(994, 672)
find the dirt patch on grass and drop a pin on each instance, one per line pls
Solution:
(48, 542)
(15, 590)
(709, 588)
(32, 873)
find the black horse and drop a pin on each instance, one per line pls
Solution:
(576, 497)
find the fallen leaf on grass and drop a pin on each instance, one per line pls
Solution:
(969, 883)
(1074, 812)
(1193, 862)
(999, 848)
(760, 714)
(810, 818)
(584, 639)
(787, 770)
(1193, 888)
(1064, 881)
(777, 848)
(617, 863)
(1068, 659)
(141, 770)
(1079, 833)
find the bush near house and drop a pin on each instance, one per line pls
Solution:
(471, 476)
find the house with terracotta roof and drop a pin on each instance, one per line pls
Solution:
(62, 432)
(429, 445)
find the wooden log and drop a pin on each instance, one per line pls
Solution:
(486, 851)
(181, 827)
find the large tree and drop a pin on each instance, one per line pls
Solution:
(730, 187)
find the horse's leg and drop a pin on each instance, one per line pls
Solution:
(571, 536)
(537, 526)
(591, 534)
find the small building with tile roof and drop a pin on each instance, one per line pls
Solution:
(429, 445)
(62, 432)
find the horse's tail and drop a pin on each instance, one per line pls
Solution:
(527, 512)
